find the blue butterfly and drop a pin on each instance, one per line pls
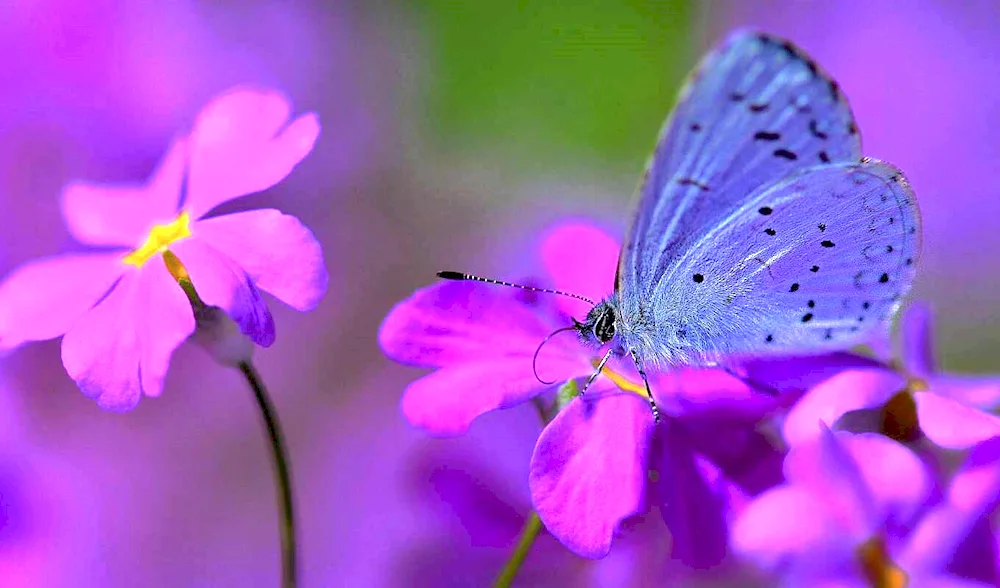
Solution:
(760, 229)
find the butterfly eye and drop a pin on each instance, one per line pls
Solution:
(604, 328)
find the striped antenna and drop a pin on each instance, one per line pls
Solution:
(459, 276)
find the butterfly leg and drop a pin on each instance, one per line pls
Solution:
(649, 393)
(597, 372)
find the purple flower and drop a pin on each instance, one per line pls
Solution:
(913, 397)
(598, 462)
(120, 309)
(856, 510)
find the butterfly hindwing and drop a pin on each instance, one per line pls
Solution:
(813, 262)
(755, 111)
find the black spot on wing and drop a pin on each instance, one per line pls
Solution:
(814, 129)
(695, 183)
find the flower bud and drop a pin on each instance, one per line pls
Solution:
(221, 337)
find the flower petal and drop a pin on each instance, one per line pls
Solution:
(896, 478)
(243, 142)
(975, 557)
(931, 545)
(789, 522)
(42, 299)
(220, 282)
(582, 259)
(697, 390)
(122, 347)
(979, 391)
(280, 255)
(946, 581)
(691, 508)
(829, 471)
(745, 456)
(165, 320)
(918, 347)
(446, 401)
(829, 400)
(102, 351)
(117, 214)
(588, 471)
(451, 323)
(975, 488)
(951, 424)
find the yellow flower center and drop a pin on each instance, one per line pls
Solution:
(160, 237)
(879, 569)
(620, 380)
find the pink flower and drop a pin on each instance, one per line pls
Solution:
(591, 466)
(860, 510)
(953, 411)
(120, 310)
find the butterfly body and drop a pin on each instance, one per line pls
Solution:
(759, 228)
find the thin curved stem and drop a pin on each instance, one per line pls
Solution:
(282, 478)
(532, 527)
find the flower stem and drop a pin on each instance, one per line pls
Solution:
(529, 532)
(282, 478)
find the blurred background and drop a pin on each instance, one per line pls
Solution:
(453, 134)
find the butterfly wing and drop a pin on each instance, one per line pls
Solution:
(755, 111)
(811, 263)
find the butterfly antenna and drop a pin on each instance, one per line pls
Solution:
(649, 393)
(534, 360)
(459, 276)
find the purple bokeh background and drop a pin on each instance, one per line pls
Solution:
(179, 491)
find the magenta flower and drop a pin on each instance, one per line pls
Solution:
(856, 510)
(120, 310)
(591, 465)
(952, 411)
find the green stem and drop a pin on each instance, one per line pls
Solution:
(532, 527)
(282, 478)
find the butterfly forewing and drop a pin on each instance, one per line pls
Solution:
(755, 111)
(828, 262)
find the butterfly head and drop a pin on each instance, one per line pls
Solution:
(600, 325)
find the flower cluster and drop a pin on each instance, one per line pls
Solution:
(816, 469)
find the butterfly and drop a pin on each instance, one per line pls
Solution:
(759, 228)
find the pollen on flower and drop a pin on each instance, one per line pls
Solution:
(160, 237)
(879, 569)
(621, 381)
